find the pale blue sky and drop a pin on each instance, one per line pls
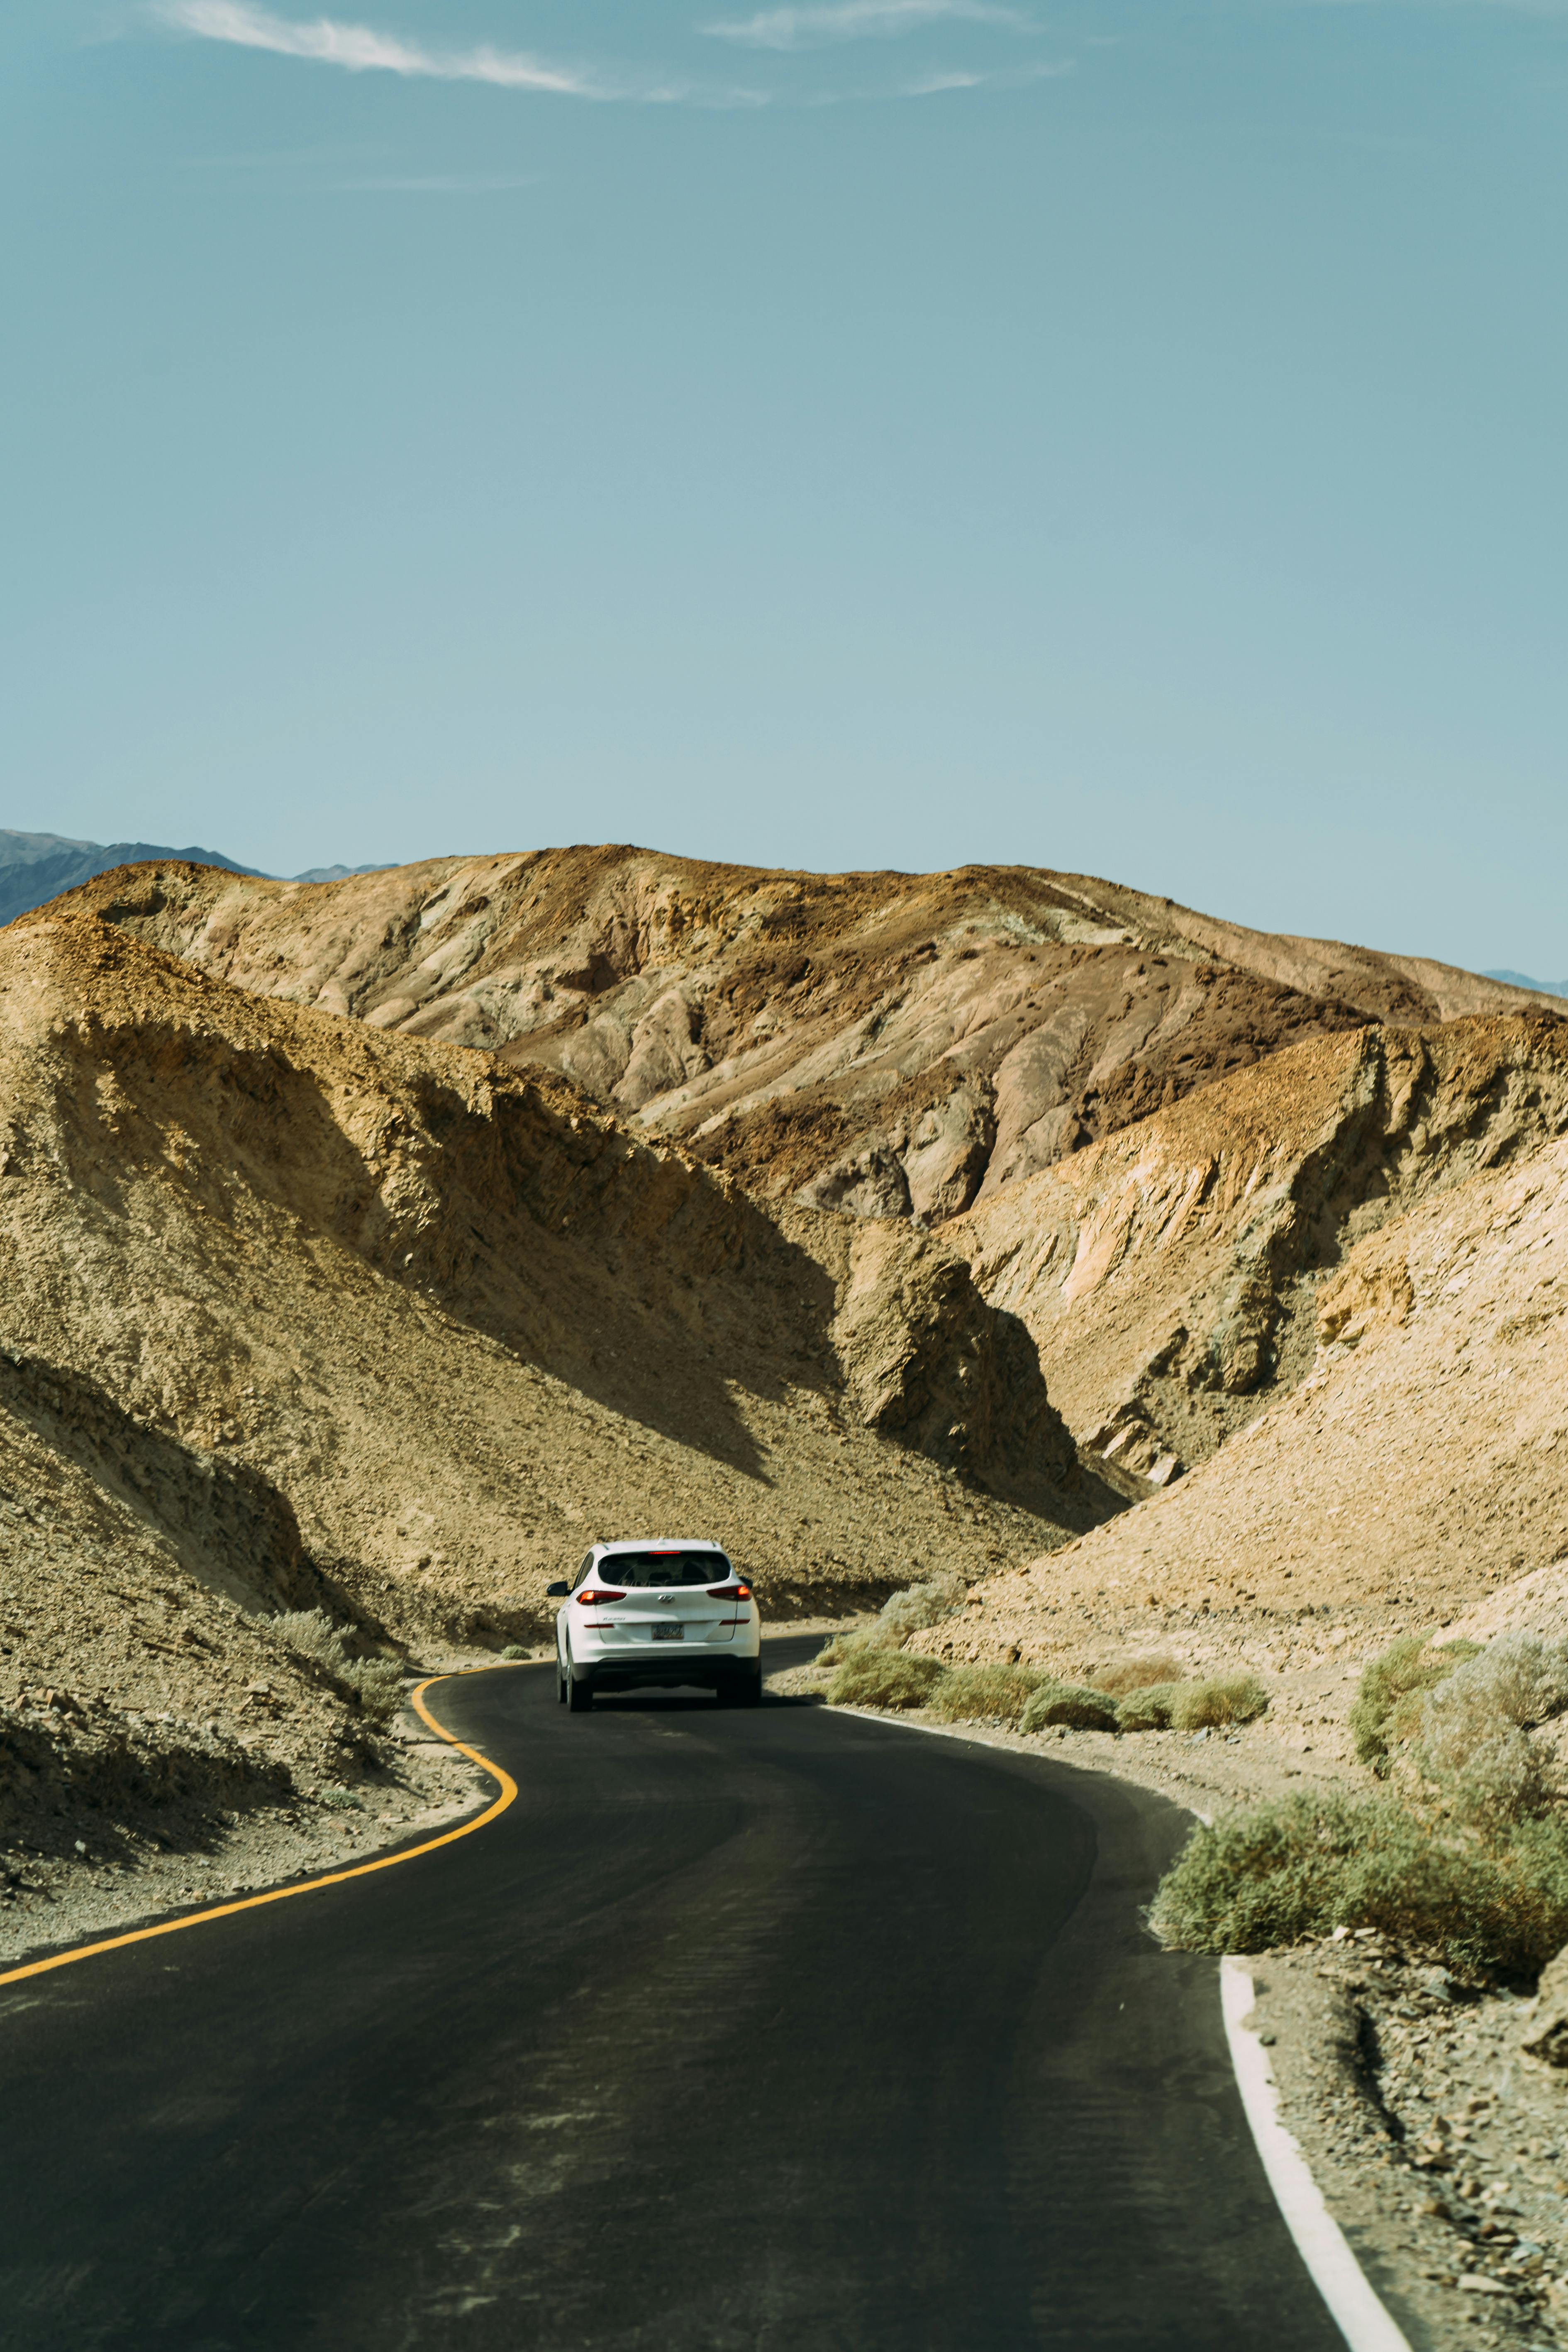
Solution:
(1125, 436)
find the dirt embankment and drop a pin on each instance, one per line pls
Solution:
(900, 1045)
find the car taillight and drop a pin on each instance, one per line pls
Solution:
(597, 1592)
(728, 1592)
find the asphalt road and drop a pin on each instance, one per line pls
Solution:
(741, 2031)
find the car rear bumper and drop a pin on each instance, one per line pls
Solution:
(691, 1672)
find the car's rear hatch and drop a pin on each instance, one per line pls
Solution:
(669, 1604)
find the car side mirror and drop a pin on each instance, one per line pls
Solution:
(557, 1592)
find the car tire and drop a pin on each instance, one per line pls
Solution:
(560, 1684)
(578, 1696)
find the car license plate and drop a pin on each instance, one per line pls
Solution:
(669, 1632)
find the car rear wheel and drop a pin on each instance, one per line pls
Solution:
(578, 1696)
(560, 1684)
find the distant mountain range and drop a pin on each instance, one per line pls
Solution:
(1519, 980)
(38, 866)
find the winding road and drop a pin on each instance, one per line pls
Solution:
(743, 2031)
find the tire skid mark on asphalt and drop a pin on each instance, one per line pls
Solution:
(504, 1781)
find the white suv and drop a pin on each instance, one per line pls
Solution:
(671, 1613)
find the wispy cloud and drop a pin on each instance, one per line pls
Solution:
(941, 79)
(362, 49)
(815, 28)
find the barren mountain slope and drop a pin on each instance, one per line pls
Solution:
(1168, 1275)
(1421, 1467)
(264, 1267)
(898, 1045)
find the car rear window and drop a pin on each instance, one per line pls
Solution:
(666, 1568)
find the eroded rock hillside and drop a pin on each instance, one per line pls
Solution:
(357, 1321)
(899, 1045)
(1419, 1471)
(1172, 1275)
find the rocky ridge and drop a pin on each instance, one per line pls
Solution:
(899, 1045)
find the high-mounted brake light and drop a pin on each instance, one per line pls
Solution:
(592, 1593)
(728, 1592)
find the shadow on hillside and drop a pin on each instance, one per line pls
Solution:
(626, 1273)
(230, 1529)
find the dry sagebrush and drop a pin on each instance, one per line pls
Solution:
(375, 1684)
(901, 1614)
(1278, 1874)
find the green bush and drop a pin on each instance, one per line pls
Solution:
(1222, 1699)
(983, 1694)
(1148, 1709)
(1279, 1873)
(1269, 1876)
(884, 1678)
(1069, 1703)
(1404, 1671)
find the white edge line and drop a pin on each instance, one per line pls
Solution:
(1354, 2306)
(1339, 2278)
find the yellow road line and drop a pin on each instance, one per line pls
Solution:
(308, 1885)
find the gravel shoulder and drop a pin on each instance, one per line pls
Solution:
(84, 1873)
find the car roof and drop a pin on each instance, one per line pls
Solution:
(661, 1543)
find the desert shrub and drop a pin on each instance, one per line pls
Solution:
(1279, 1873)
(873, 1677)
(1491, 1772)
(1537, 1854)
(1148, 1709)
(1269, 1876)
(1069, 1703)
(1222, 1699)
(514, 1650)
(374, 1683)
(1136, 1675)
(982, 1694)
(901, 1614)
(1469, 1732)
(1387, 1700)
(919, 1605)
(1477, 1905)
(312, 1632)
(1519, 1677)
